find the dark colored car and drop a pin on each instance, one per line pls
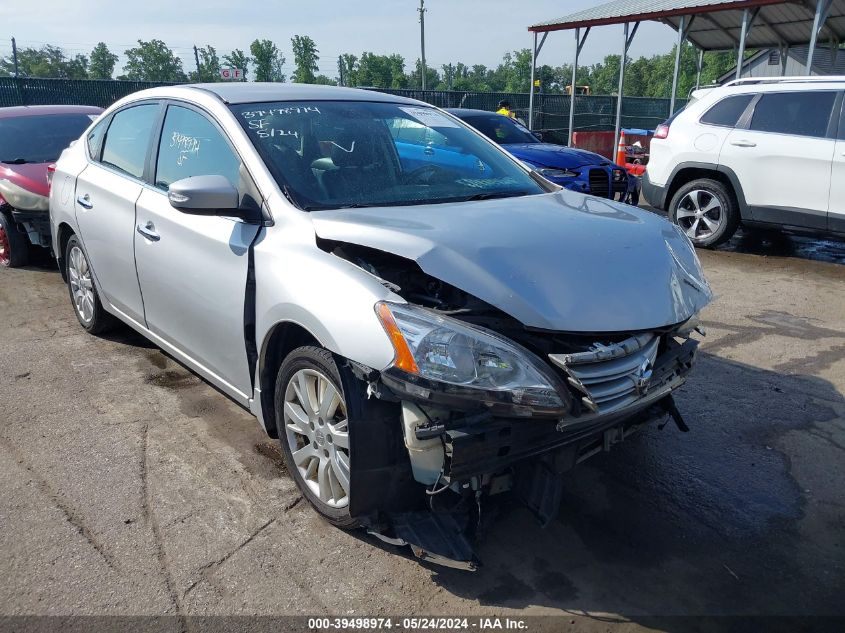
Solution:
(571, 168)
(31, 138)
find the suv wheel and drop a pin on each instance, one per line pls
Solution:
(311, 416)
(14, 247)
(83, 294)
(705, 210)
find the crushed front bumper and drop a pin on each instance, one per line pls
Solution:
(486, 439)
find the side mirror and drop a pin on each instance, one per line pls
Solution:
(205, 195)
(538, 135)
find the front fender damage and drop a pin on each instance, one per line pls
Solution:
(429, 459)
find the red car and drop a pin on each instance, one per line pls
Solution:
(31, 139)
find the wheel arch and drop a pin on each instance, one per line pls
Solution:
(687, 172)
(65, 233)
(281, 339)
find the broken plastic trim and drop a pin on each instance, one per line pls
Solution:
(444, 395)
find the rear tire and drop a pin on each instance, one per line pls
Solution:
(83, 293)
(14, 246)
(313, 426)
(706, 211)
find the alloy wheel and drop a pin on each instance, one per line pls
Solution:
(317, 431)
(5, 248)
(699, 214)
(81, 286)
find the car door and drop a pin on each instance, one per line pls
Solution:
(106, 193)
(783, 155)
(836, 206)
(193, 268)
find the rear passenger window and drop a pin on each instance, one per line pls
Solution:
(125, 147)
(191, 145)
(727, 112)
(94, 140)
(800, 113)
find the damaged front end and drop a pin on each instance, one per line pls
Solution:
(489, 405)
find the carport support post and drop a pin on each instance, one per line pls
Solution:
(535, 52)
(698, 66)
(622, 61)
(743, 34)
(579, 44)
(678, 48)
(822, 10)
(531, 87)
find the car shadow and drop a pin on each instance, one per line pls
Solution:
(775, 244)
(713, 521)
(779, 244)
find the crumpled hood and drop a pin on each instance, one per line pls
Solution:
(561, 261)
(559, 156)
(30, 176)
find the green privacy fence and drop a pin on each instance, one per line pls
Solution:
(551, 110)
(592, 113)
(15, 91)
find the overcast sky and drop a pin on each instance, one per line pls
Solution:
(471, 31)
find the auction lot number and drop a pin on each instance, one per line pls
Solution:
(417, 624)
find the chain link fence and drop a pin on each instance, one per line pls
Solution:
(551, 115)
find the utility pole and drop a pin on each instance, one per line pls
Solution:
(15, 55)
(450, 76)
(340, 69)
(197, 58)
(424, 70)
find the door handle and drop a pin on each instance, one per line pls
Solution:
(743, 143)
(85, 202)
(148, 231)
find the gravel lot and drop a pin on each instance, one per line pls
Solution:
(129, 486)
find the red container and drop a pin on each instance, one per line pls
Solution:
(602, 143)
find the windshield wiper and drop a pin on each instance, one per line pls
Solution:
(494, 194)
(16, 161)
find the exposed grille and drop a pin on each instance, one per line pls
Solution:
(620, 186)
(599, 182)
(611, 376)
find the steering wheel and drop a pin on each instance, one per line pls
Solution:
(424, 175)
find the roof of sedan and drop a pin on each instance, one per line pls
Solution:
(259, 92)
(18, 111)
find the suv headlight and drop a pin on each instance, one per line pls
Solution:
(22, 199)
(446, 350)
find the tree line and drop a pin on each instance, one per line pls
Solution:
(153, 60)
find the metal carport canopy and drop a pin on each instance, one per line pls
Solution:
(711, 25)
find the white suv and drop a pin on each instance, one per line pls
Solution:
(766, 153)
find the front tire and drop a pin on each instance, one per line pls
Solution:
(14, 247)
(83, 294)
(706, 211)
(311, 417)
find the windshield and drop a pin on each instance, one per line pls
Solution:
(41, 138)
(501, 129)
(336, 154)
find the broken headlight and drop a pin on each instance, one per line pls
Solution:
(692, 324)
(446, 350)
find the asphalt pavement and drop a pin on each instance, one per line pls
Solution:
(130, 486)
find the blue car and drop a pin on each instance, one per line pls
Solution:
(575, 169)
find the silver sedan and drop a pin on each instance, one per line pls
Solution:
(421, 320)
